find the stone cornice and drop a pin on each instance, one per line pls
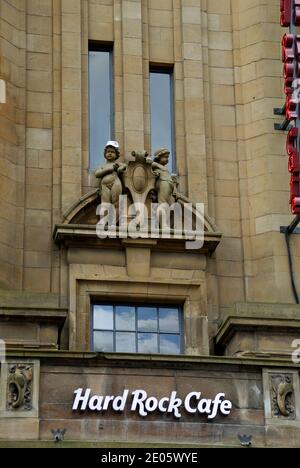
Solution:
(76, 234)
(232, 323)
(47, 314)
(149, 361)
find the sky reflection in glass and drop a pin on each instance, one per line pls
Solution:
(125, 318)
(103, 341)
(137, 329)
(169, 344)
(168, 320)
(161, 110)
(147, 343)
(103, 317)
(147, 319)
(100, 104)
(125, 342)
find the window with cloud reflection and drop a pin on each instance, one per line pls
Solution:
(125, 328)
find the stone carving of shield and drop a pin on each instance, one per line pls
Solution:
(139, 179)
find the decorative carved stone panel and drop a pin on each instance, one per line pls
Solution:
(19, 389)
(139, 179)
(281, 397)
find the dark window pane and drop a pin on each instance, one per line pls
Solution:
(125, 318)
(147, 319)
(161, 108)
(147, 343)
(125, 342)
(103, 342)
(100, 101)
(169, 344)
(103, 317)
(168, 320)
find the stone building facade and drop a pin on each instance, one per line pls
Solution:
(238, 311)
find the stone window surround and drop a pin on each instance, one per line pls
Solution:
(90, 283)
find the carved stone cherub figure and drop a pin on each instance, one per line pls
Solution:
(165, 183)
(110, 182)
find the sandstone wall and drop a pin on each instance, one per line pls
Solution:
(227, 76)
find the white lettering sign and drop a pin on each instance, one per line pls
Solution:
(144, 404)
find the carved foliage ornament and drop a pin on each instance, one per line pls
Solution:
(19, 387)
(283, 396)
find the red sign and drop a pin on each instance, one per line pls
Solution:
(294, 162)
(291, 73)
(291, 140)
(285, 10)
(295, 196)
(297, 12)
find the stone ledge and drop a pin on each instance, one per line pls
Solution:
(266, 330)
(93, 444)
(132, 360)
(262, 310)
(76, 234)
(32, 327)
(231, 324)
(23, 299)
(38, 313)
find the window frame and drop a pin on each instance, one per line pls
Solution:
(108, 47)
(136, 305)
(166, 70)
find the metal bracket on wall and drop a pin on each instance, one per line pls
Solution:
(285, 125)
(292, 228)
(287, 231)
(284, 228)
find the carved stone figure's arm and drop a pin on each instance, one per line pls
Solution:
(122, 168)
(155, 165)
(103, 171)
(158, 169)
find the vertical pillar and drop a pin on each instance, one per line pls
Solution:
(12, 137)
(180, 121)
(56, 177)
(39, 147)
(71, 102)
(118, 74)
(146, 78)
(132, 75)
(194, 99)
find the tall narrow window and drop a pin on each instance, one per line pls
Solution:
(100, 102)
(162, 113)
